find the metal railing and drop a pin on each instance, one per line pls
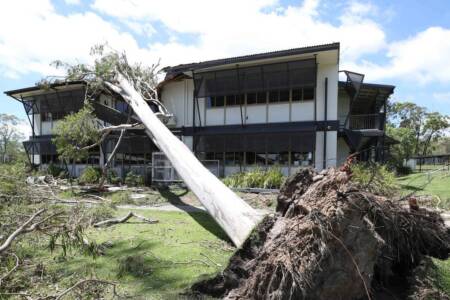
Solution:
(366, 121)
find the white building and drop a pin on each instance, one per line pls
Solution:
(286, 109)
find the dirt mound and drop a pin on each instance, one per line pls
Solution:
(330, 240)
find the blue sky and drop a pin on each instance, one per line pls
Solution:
(405, 43)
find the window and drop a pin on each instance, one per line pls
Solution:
(234, 158)
(261, 98)
(273, 96)
(220, 101)
(297, 95)
(304, 94)
(46, 117)
(279, 96)
(217, 101)
(308, 93)
(299, 159)
(284, 96)
(231, 100)
(251, 98)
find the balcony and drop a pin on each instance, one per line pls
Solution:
(363, 122)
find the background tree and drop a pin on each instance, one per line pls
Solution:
(434, 129)
(415, 128)
(10, 137)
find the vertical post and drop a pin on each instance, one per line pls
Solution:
(326, 125)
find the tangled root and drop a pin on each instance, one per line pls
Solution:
(329, 240)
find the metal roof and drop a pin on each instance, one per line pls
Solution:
(238, 59)
(37, 87)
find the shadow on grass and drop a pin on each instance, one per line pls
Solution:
(200, 216)
(152, 275)
(411, 187)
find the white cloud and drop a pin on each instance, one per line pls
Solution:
(223, 30)
(42, 35)
(422, 58)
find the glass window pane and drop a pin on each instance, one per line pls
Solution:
(261, 97)
(231, 100)
(251, 98)
(296, 94)
(220, 101)
(273, 96)
(284, 96)
(250, 158)
(209, 102)
(308, 93)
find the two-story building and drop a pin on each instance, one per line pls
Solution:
(285, 108)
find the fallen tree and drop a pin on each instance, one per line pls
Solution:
(331, 239)
(136, 85)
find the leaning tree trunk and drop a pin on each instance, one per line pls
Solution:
(234, 215)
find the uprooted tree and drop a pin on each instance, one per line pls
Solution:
(111, 73)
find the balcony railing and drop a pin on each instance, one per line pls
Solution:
(367, 121)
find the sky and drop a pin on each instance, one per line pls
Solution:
(405, 43)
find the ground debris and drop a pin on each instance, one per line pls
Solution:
(330, 239)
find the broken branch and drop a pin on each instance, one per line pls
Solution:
(114, 221)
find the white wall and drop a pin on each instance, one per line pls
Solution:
(302, 111)
(342, 150)
(177, 96)
(278, 113)
(329, 71)
(256, 114)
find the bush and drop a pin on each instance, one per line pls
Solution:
(403, 170)
(113, 178)
(56, 171)
(134, 180)
(258, 178)
(375, 178)
(90, 175)
(121, 198)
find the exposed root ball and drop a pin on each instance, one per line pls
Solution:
(329, 240)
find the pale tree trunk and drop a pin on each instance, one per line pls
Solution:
(234, 215)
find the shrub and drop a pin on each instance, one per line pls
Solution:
(56, 171)
(121, 198)
(134, 180)
(258, 178)
(403, 170)
(113, 178)
(90, 175)
(375, 178)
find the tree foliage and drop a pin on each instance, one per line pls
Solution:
(75, 132)
(10, 136)
(415, 128)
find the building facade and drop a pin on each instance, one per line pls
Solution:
(286, 109)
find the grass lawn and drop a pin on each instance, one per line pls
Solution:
(148, 261)
(438, 186)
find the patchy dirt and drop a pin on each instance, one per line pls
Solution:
(331, 240)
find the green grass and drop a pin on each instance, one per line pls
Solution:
(438, 186)
(443, 274)
(176, 252)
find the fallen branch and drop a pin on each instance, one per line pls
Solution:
(12, 269)
(114, 221)
(20, 230)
